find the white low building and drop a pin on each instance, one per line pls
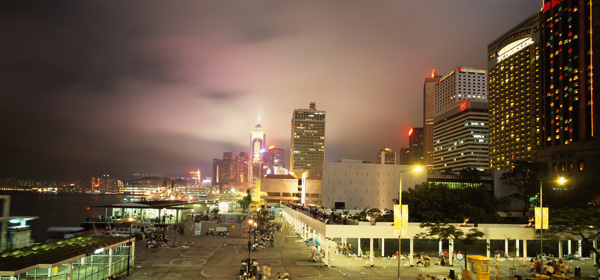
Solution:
(357, 185)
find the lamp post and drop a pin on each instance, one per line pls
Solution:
(250, 222)
(416, 169)
(560, 181)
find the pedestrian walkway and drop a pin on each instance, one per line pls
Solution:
(216, 258)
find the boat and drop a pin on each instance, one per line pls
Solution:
(93, 192)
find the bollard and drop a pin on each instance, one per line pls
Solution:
(451, 276)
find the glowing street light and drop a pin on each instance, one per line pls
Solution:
(415, 169)
(560, 181)
(250, 222)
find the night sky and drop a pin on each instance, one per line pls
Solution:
(116, 87)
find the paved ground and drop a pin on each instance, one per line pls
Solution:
(219, 258)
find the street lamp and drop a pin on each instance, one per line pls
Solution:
(560, 181)
(416, 169)
(250, 222)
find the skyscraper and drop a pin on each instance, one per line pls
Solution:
(460, 137)
(274, 161)
(514, 100)
(386, 156)
(428, 115)
(415, 145)
(257, 149)
(460, 84)
(569, 123)
(308, 139)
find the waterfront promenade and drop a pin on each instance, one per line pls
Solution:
(210, 257)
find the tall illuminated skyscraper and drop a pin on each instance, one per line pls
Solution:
(570, 124)
(308, 139)
(514, 100)
(257, 149)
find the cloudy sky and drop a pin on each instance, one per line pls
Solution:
(96, 87)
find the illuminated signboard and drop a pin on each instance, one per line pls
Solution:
(470, 70)
(463, 105)
(447, 75)
(521, 44)
(410, 132)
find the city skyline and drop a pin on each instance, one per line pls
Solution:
(90, 89)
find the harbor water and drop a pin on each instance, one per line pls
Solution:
(63, 209)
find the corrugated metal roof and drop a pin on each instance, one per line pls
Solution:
(55, 253)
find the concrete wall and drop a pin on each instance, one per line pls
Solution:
(364, 185)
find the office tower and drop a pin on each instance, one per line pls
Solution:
(308, 139)
(257, 149)
(570, 123)
(514, 101)
(415, 145)
(274, 161)
(232, 171)
(460, 137)
(428, 114)
(404, 156)
(386, 156)
(462, 83)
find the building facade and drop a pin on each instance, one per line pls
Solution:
(416, 145)
(307, 139)
(461, 137)
(386, 156)
(569, 120)
(462, 83)
(514, 86)
(354, 185)
(274, 160)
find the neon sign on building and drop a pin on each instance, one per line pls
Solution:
(514, 50)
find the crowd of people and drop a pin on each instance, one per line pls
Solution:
(551, 266)
(258, 239)
(155, 239)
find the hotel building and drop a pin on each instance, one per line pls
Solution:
(514, 101)
(460, 84)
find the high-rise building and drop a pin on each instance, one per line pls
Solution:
(462, 83)
(428, 115)
(257, 149)
(404, 156)
(216, 172)
(569, 119)
(275, 161)
(416, 145)
(460, 137)
(386, 156)
(232, 171)
(308, 139)
(514, 99)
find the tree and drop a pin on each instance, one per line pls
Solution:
(576, 222)
(245, 202)
(443, 232)
(438, 203)
(524, 177)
